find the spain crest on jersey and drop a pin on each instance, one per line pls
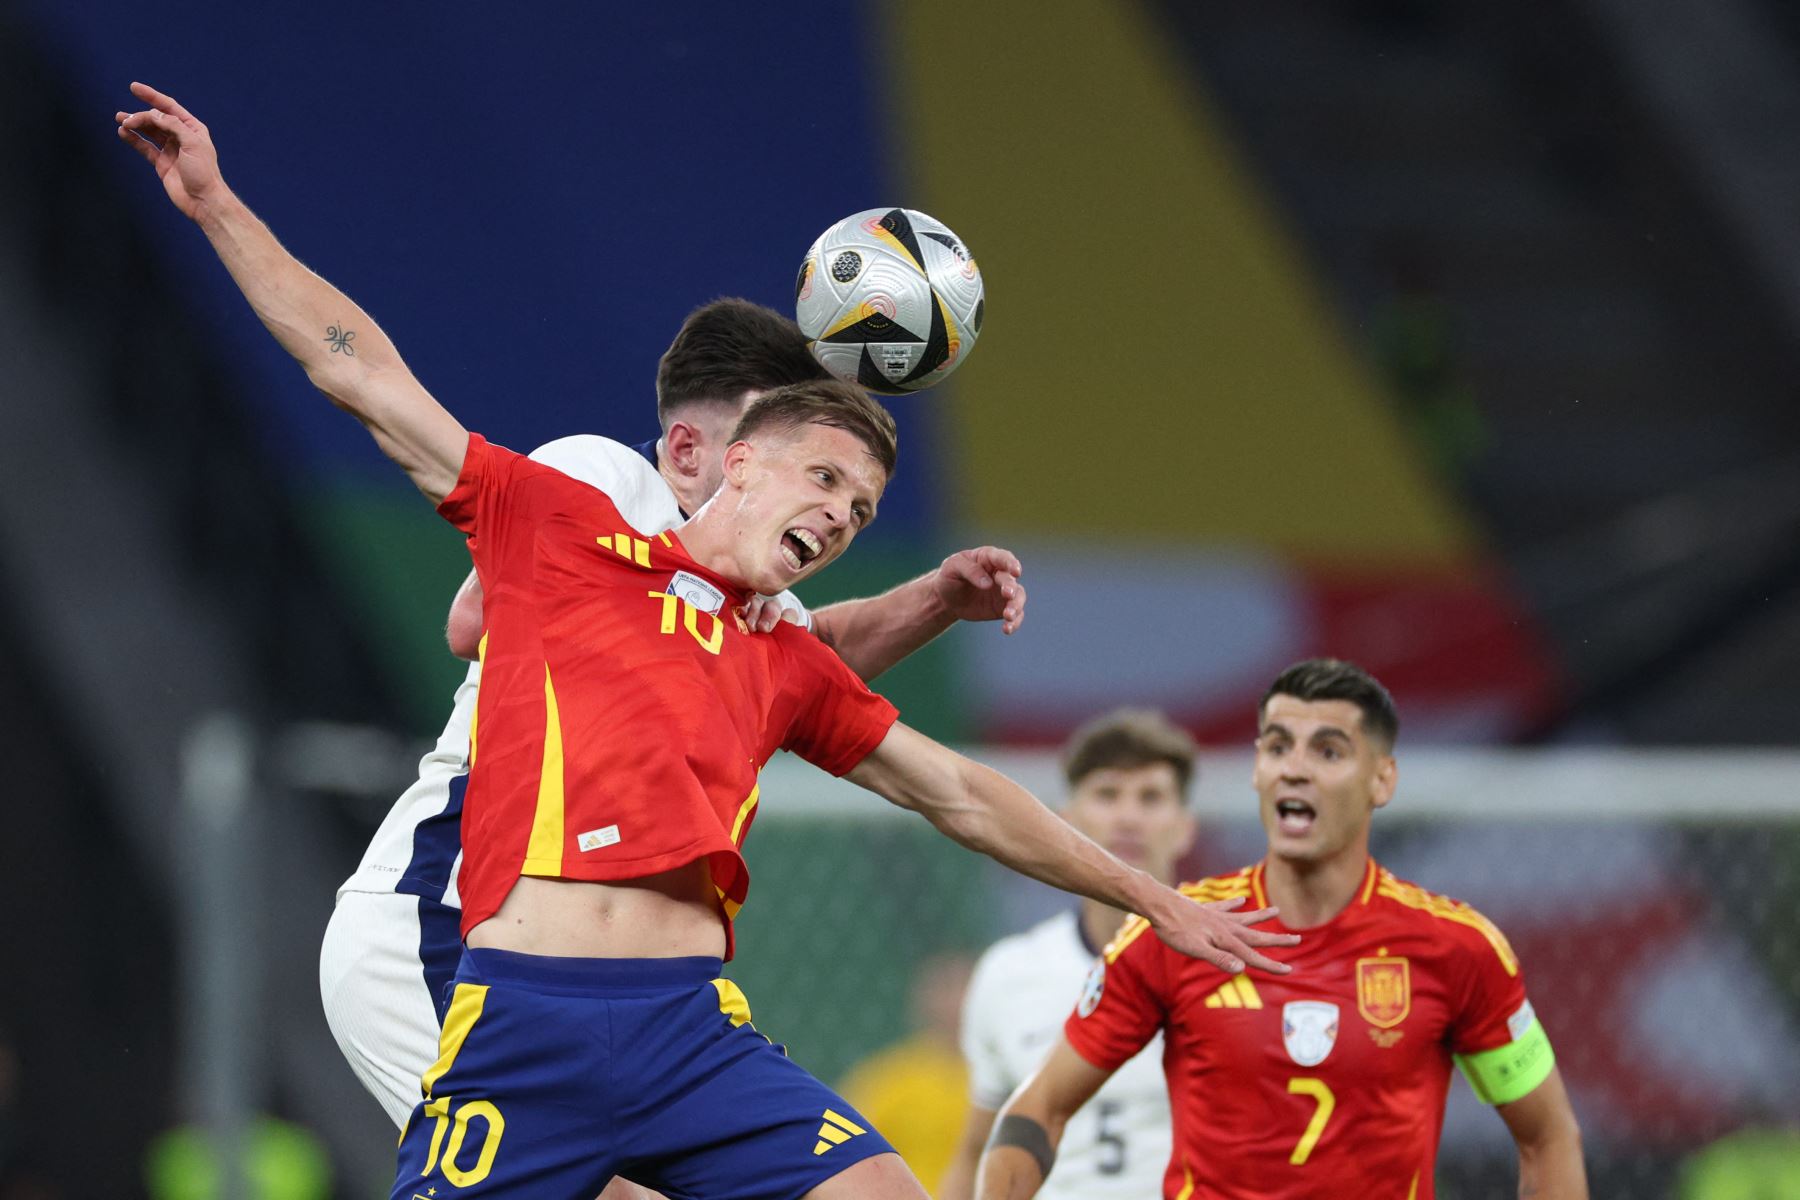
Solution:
(1383, 990)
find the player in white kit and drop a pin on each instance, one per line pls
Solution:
(394, 941)
(1128, 774)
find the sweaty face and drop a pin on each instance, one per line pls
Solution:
(804, 496)
(1318, 778)
(1135, 812)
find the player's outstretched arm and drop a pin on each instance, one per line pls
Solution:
(985, 811)
(1022, 1147)
(344, 353)
(1543, 1123)
(873, 634)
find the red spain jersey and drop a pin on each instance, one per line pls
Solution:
(624, 711)
(1329, 1082)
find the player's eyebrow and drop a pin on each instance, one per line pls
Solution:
(868, 506)
(1274, 728)
(1325, 733)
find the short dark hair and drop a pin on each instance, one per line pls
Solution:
(728, 347)
(826, 402)
(1129, 737)
(1335, 679)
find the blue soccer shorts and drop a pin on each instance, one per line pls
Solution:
(555, 1074)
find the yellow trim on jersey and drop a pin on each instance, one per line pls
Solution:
(1187, 1180)
(480, 657)
(1259, 895)
(1445, 909)
(1236, 992)
(1369, 878)
(1412, 1192)
(464, 1011)
(544, 852)
(1129, 932)
(732, 1002)
(743, 813)
(732, 907)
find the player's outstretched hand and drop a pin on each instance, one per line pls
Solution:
(1222, 936)
(177, 145)
(763, 613)
(983, 585)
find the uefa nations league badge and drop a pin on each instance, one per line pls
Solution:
(696, 592)
(1309, 1030)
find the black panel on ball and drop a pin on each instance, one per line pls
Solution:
(873, 328)
(869, 376)
(898, 224)
(937, 346)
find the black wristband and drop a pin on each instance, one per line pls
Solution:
(1027, 1135)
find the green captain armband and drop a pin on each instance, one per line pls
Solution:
(1510, 1072)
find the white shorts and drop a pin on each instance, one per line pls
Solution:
(377, 1001)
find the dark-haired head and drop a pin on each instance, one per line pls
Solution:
(728, 349)
(1335, 679)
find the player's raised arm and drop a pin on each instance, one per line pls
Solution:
(344, 353)
(1022, 1147)
(875, 633)
(985, 811)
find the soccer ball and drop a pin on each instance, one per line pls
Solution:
(890, 300)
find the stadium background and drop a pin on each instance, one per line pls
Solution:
(1458, 344)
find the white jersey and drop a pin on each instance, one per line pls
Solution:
(1023, 989)
(419, 842)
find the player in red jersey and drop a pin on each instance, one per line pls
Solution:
(623, 716)
(1329, 1082)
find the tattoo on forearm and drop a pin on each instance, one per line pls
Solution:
(340, 340)
(1028, 1136)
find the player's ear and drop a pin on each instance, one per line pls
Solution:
(738, 457)
(684, 445)
(1387, 778)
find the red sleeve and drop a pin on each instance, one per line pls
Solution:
(1122, 1003)
(1493, 991)
(499, 493)
(834, 719)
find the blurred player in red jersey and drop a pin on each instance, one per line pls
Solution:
(1329, 1082)
(624, 713)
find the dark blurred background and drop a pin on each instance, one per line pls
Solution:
(1454, 339)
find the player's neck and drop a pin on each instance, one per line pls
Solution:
(686, 488)
(1311, 893)
(1098, 923)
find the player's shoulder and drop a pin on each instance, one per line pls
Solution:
(594, 460)
(1233, 886)
(1456, 924)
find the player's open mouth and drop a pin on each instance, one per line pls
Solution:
(799, 547)
(1294, 817)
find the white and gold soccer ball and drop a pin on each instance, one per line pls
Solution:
(890, 300)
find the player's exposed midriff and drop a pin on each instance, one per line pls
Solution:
(673, 914)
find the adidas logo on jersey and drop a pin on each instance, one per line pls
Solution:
(1236, 992)
(835, 1131)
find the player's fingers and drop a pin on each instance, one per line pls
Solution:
(1224, 905)
(158, 100)
(1015, 609)
(1266, 937)
(1263, 962)
(1251, 918)
(159, 127)
(999, 559)
(142, 145)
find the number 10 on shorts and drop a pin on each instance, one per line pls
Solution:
(490, 1117)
